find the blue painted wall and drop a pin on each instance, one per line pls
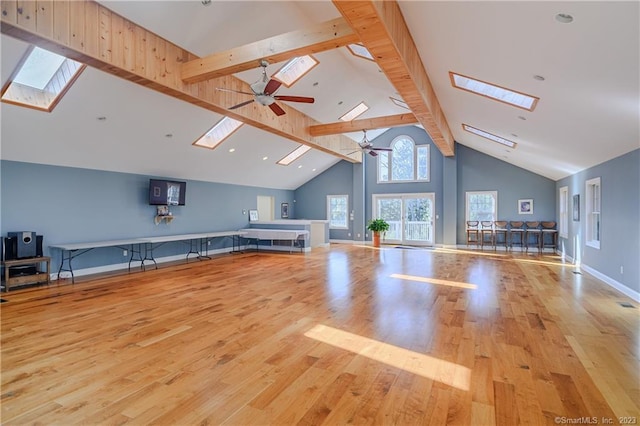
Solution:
(481, 172)
(311, 198)
(620, 219)
(68, 205)
(420, 137)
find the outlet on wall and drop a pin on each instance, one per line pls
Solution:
(124, 252)
(621, 270)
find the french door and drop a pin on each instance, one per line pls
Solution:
(410, 217)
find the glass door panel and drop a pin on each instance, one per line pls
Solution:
(418, 220)
(410, 217)
(390, 209)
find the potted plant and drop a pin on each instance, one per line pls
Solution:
(377, 226)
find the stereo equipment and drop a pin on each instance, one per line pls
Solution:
(22, 245)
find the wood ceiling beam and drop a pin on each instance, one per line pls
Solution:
(318, 38)
(384, 32)
(364, 124)
(92, 34)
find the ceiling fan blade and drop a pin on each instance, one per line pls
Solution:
(276, 109)
(372, 153)
(271, 87)
(242, 104)
(303, 99)
(233, 91)
(381, 149)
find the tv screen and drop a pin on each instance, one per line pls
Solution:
(167, 192)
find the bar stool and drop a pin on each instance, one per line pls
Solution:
(532, 236)
(500, 229)
(473, 232)
(549, 236)
(486, 230)
(516, 234)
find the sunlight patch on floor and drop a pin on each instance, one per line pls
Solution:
(434, 281)
(445, 372)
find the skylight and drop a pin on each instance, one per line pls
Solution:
(501, 94)
(357, 111)
(39, 68)
(41, 79)
(293, 70)
(489, 136)
(400, 103)
(222, 130)
(358, 49)
(294, 155)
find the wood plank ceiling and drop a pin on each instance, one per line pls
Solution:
(90, 33)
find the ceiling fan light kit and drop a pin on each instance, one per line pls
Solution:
(264, 93)
(367, 147)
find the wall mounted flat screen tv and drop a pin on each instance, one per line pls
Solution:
(167, 192)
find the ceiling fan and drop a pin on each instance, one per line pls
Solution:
(367, 147)
(263, 93)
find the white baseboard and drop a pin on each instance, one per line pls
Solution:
(346, 242)
(612, 283)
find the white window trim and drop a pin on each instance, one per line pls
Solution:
(415, 163)
(563, 214)
(329, 197)
(470, 193)
(590, 211)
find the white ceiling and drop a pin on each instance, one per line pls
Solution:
(588, 111)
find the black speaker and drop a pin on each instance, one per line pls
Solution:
(38, 245)
(26, 243)
(9, 246)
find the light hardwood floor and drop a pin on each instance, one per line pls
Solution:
(347, 334)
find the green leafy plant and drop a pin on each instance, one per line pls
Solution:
(378, 225)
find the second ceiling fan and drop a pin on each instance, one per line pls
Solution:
(264, 93)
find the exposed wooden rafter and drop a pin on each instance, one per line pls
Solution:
(364, 124)
(92, 34)
(318, 38)
(383, 31)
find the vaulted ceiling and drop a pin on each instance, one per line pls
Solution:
(155, 68)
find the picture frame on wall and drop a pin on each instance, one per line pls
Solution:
(525, 206)
(253, 215)
(284, 210)
(576, 208)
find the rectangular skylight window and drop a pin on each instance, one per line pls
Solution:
(400, 103)
(358, 49)
(222, 130)
(39, 68)
(489, 136)
(357, 111)
(40, 80)
(293, 70)
(294, 155)
(511, 97)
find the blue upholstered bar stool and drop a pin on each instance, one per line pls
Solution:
(486, 233)
(473, 232)
(533, 236)
(500, 234)
(516, 234)
(549, 236)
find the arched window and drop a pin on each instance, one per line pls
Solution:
(407, 162)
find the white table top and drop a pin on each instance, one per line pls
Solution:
(274, 234)
(96, 244)
(158, 239)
